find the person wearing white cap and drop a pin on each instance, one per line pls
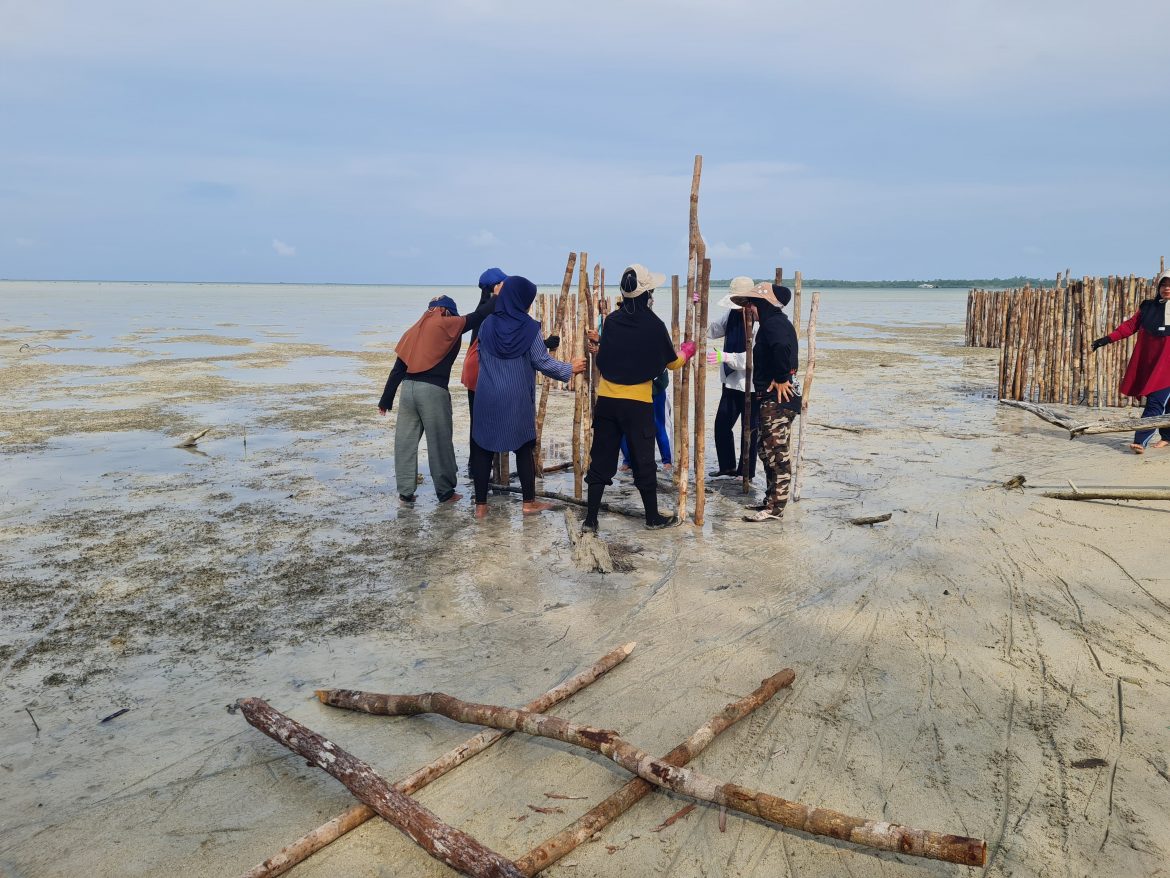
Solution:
(732, 362)
(633, 349)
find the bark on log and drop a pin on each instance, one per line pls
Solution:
(871, 519)
(309, 844)
(796, 815)
(1041, 412)
(593, 821)
(445, 843)
(589, 552)
(1126, 425)
(1110, 494)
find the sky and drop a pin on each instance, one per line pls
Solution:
(354, 141)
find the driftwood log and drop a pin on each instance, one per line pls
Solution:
(871, 519)
(877, 834)
(445, 843)
(309, 844)
(1110, 494)
(548, 852)
(1125, 425)
(1041, 412)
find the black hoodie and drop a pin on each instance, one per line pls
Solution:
(775, 355)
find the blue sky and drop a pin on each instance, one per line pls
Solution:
(385, 142)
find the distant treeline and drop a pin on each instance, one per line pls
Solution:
(941, 283)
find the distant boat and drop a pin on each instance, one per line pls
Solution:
(926, 286)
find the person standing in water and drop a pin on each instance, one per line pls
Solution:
(424, 357)
(633, 349)
(511, 352)
(1148, 372)
(774, 362)
(736, 398)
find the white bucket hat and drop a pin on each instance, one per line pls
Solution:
(643, 281)
(739, 286)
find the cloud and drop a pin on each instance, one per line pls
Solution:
(725, 251)
(282, 248)
(483, 238)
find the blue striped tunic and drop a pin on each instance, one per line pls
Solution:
(505, 396)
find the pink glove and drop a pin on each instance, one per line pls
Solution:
(712, 358)
(687, 349)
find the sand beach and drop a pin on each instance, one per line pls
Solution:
(988, 662)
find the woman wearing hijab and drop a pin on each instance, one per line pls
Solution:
(732, 362)
(489, 285)
(634, 348)
(511, 352)
(425, 354)
(1148, 372)
(774, 362)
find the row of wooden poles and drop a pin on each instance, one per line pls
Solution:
(1045, 338)
(569, 315)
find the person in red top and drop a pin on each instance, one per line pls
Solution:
(1148, 372)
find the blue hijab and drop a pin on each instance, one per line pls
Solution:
(508, 332)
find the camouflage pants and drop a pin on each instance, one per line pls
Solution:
(776, 452)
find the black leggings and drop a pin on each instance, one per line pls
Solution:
(481, 471)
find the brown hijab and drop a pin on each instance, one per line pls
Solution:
(429, 340)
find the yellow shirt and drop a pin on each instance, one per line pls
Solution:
(643, 392)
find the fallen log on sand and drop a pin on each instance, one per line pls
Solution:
(548, 852)
(1110, 494)
(872, 519)
(1040, 412)
(445, 843)
(309, 844)
(818, 821)
(1125, 425)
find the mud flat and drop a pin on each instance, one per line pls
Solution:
(987, 662)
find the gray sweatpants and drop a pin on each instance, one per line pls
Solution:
(424, 409)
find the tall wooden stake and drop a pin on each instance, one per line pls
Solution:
(701, 389)
(798, 472)
(675, 382)
(579, 388)
(796, 285)
(540, 412)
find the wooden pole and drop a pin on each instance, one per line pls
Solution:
(810, 371)
(1110, 494)
(701, 390)
(582, 392)
(556, 320)
(675, 383)
(746, 428)
(880, 835)
(445, 843)
(553, 849)
(307, 845)
(796, 288)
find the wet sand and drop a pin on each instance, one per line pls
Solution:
(955, 665)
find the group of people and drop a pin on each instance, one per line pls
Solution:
(633, 351)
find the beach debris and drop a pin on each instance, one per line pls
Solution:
(681, 814)
(1044, 414)
(1110, 494)
(552, 809)
(1091, 762)
(1123, 425)
(573, 501)
(445, 843)
(559, 796)
(835, 427)
(871, 519)
(193, 440)
(353, 817)
(34, 721)
(590, 553)
(877, 834)
(114, 715)
(1015, 483)
(809, 374)
(723, 818)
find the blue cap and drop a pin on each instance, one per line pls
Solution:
(491, 277)
(444, 302)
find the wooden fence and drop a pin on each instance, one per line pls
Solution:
(1045, 338)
